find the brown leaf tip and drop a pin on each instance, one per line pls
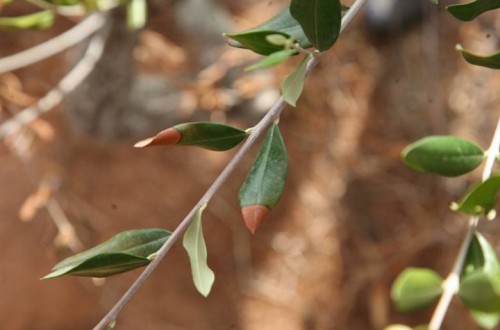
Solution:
(168, 137)
(253, 216)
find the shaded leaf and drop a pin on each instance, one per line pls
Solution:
(208, 135)
(486, 320)
(469, 11)
(194, 243)
(444, 155)
(39, 20)
(320, 20)
(481, 198)
(416, 288)
(136, 13)
(265, 182)
(480, 256)
(491, 61)
(293, 84)
(123, 252)
(273, 59)
(255, 38)
(481, 291)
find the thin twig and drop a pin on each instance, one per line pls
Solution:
(257, 131)
(74, 78)
(452, 282)
(55, 45)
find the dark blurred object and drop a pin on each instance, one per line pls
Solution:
(388, 18)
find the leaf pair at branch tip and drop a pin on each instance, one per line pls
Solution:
(208, 135)
(265, 181)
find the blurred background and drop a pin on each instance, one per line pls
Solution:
(352, 216)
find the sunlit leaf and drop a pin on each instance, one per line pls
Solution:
(194, 243)
(486, 320)
(123, 252)
(208, 135)
(320, 20)
(416, 288)
(273, 59)
(265, 182)
(39, 20)
(481, 198)
(481, 291)
(136, 13)
(397, 327)
(444, 155)
(469, 11)
(293, 84)
(491, 61)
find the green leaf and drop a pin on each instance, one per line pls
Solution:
(444, 155)
(320, 20)
(481, 291)
(486, 320)
(273, 59)
(265, 182)
(292, 86)
(194, 243)
(39, 20)
(123, 252)
(469, 11)
(136, 14)
(481, 198)
(208, 135)
(491, 61)
(255, 38)
(416, 288)
(480, 256)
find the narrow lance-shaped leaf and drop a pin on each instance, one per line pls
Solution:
(491, 61)
(444, 155)
(40, 20)
(265, 182)
(471, 10)
(123, 252)
(273, 59)
(481, 198)
(320, 20)
(416, 288)
(293, 84)
(194, 243)
(208, 135)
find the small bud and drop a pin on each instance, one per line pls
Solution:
(168, 137)
(277, 39)
(492, 214)
(253, 216)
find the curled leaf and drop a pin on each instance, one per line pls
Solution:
(194, 243)
(491, 61)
